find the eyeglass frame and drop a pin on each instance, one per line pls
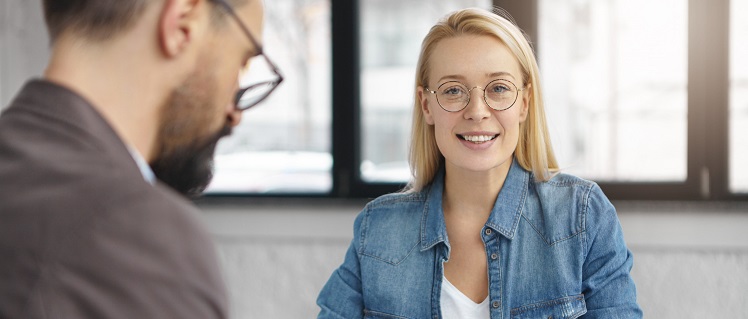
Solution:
(469, 95)
(259, 52)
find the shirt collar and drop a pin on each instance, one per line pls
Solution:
(507, 210)
(145, 169)
(433, 228)
(504, 216)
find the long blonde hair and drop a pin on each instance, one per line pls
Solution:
(534, 152)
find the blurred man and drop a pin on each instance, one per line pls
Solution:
(87, 230)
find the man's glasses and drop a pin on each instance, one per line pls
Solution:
(250, 95)
(453, 96)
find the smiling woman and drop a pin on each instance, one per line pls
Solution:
(488, 227)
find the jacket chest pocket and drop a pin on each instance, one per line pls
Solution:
(562, 308)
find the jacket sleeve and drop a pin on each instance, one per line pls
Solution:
(342, 296)
(607, 285)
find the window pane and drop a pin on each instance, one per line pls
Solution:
(283, 144)
(391, 35)
(739, 96)
(615, 85)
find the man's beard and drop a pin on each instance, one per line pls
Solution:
(188, 169)
(183, 159)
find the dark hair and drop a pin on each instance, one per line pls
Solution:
(97, 19)
(93, 19)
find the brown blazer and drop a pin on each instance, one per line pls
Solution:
(82, 234)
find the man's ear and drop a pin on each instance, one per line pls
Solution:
(177, 25)
(424, 102)
(526, 93)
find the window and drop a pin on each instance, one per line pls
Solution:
(739, 96)
(709, 145)
(651, 105)
(283, 145)
(615, 87)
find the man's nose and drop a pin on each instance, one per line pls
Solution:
(234, 116)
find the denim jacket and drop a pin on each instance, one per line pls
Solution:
(554, 249)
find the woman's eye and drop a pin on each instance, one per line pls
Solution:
(452, 91)
(499, 88)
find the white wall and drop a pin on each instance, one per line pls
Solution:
(690, 259)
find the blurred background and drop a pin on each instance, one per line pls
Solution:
(647, 98)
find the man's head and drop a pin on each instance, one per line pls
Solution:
(195, 48)
(101, 19)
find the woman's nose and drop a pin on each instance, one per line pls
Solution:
(477, 109)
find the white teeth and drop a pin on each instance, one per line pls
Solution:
(478, 138)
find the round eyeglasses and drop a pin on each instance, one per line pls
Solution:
(453, 96)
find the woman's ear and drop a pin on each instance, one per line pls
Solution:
(424, 102)
(526, 94)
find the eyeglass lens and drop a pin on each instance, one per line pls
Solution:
(499, 95)
(256, 82)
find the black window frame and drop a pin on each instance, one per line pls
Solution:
(708, 109)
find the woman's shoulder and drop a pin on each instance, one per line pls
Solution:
(570, 193)
(567, 186)
(561, 179)
(388, 227)
(562, 206)
(569, 189)
(397, 199)
(394, 207)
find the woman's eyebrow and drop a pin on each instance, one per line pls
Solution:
(500, 74)
(489, 75)
(453, 77)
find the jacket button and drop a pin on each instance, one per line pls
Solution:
(494, 256)
(488, 231)
(495, 304)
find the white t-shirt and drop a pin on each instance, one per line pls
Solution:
(455, 305)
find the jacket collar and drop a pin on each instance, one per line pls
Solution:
(504, 216)
(58, 103)
(433, 228)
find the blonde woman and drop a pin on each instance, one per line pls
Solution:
(488, 227)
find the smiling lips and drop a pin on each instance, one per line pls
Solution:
(477, 138)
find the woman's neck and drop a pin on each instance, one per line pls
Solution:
(471, 195)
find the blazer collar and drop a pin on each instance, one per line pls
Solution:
(504, 217)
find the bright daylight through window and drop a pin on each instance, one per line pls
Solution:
(739, 96)
(615, 87)
(283, 144)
